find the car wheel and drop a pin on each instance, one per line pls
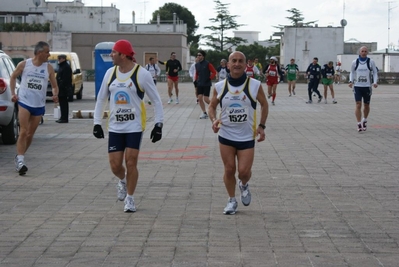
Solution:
(11, 131)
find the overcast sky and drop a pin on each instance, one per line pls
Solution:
(367, 19)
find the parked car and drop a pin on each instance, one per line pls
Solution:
(9, 124)
(77, 77)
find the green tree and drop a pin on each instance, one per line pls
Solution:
(214, 56)
(296, 19)
(223, 22)
(166, 16)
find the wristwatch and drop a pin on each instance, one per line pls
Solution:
(159, 124)
(262, 126)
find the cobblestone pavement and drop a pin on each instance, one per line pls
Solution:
(322, 193)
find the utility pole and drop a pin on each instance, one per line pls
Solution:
(389, 20)
(144, 2)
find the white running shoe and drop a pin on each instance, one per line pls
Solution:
(231, 208)
(245, 194)
(129, 205)
(177, 101)
(359, 127)
(325, 101)
(20, 166)
(334, 101)
(293, 91)
(121, 186)
(170, 100)
(203, 116)
(364, 125)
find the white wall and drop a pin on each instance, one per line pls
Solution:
(91, 19)
(391, 63)
(346, 61)
(250, 36)
(305, 43)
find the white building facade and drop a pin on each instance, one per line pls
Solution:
(305, 43)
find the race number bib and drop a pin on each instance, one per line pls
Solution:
(272, 73)
(237, 114)
(250, 73)
(34, 83)
(123, 114)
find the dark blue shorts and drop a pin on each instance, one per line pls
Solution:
(362, 92)
(237, 145)
(33, 111)
(121, 141)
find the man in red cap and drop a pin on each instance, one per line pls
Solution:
(125, 85)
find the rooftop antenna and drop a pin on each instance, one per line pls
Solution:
(389, 19)
(343, 20)
(343, 12)
(144, 2)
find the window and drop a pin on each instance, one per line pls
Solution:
(10, 65)
(3, 19)
(3, 70)
(18, 19)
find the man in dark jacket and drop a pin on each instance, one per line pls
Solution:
(64, 81)
(204, 74)
(314, 76)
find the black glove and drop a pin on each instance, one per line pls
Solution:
(98, 131)
(156, 133)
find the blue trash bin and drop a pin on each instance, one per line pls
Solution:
(102, 62)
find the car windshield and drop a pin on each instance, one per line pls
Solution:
(54, 63)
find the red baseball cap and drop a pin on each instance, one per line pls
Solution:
(124, 47)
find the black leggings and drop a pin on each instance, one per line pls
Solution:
(312, 87)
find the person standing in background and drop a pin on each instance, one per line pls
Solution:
(314, 75)
(173, 67)
(155, 71)
(222, 70)
(327, 72)
(292, 74)
(337, 76)
(191, 72)
(272, 72)
(64, 81)
(204, 74)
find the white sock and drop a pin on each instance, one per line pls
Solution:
(364, 119)
(232, 199)
(131, 196)
(20, 157)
